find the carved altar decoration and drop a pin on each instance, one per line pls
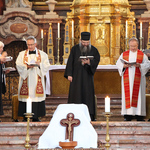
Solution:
(51, 6)
(106, 21)
(18, 27)
(66, 43)
(18, 3)
(50, 45)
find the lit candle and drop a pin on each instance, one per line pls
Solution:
(107, 104)
(126, 28)
(140, 29)
(29, 105)
(41, 33)
(58, 30)
(72, 29)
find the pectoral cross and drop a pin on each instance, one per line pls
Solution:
(70, 123)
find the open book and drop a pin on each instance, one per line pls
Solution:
(127, 62)
(32, 64)
(86, 57)
(9, 68)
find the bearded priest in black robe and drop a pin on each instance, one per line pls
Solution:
(81, 66)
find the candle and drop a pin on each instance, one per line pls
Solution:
(29, 105)
(140, 29)
(72, 29)
(107, 104)
(58, 30)
(41, 33)
(126, 28)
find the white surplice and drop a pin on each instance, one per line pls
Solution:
(141, 105)
(32, 74)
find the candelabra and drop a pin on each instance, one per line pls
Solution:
(141, 38)
(107, 139)
(42, 42)
(57, 63)
(28, 116)
(126, 43)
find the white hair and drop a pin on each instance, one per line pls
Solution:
(1, 43)
(31, 38)
(133, 39)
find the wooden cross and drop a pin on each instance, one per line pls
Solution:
(70, 123)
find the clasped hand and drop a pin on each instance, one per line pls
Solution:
(85, 61)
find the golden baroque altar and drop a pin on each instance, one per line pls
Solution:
(110, 23)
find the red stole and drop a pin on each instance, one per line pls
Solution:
(137, 80)
(24, 91)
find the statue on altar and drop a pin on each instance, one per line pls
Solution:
(18, 3)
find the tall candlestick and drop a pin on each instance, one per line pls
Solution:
(58, 30)
(29, 105)
(140, 29)
(126, 28)
(72, 29)
(41, 33)
(107, 104)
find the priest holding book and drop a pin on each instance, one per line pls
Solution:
(133, 81)
(81, 66)
(31, 81)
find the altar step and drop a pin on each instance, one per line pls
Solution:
(53, 101)
(123, 135)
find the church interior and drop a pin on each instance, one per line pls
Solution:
(57, 24)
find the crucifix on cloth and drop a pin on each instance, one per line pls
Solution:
(70, 123)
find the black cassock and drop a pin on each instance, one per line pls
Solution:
(82, 87)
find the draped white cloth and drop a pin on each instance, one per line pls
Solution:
(141, 106)
(32, 74)
(84, 134)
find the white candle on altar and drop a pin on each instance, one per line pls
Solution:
(107, 104)
(29, 105)
(41, 33)
(126, 28)
(72, 29)
(140, 29)
(58, 30)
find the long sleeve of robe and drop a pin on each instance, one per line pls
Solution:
(82, 87)
(32, 74)
(145, 65)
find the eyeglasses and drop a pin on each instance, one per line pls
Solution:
(30, 44)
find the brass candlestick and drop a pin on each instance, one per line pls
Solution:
(42, 42)
(107, 139)
(57, 63)
(28, 116)
(141, 38)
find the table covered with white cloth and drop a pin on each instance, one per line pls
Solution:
(84, 134)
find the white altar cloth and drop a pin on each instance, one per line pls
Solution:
(57, 67)
(84, 134)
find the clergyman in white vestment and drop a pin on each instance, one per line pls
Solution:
(84, 134)
(140, 110)
(31, 81)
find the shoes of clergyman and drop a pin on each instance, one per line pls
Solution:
(36, 120)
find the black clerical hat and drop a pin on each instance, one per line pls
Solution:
(85, 36)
